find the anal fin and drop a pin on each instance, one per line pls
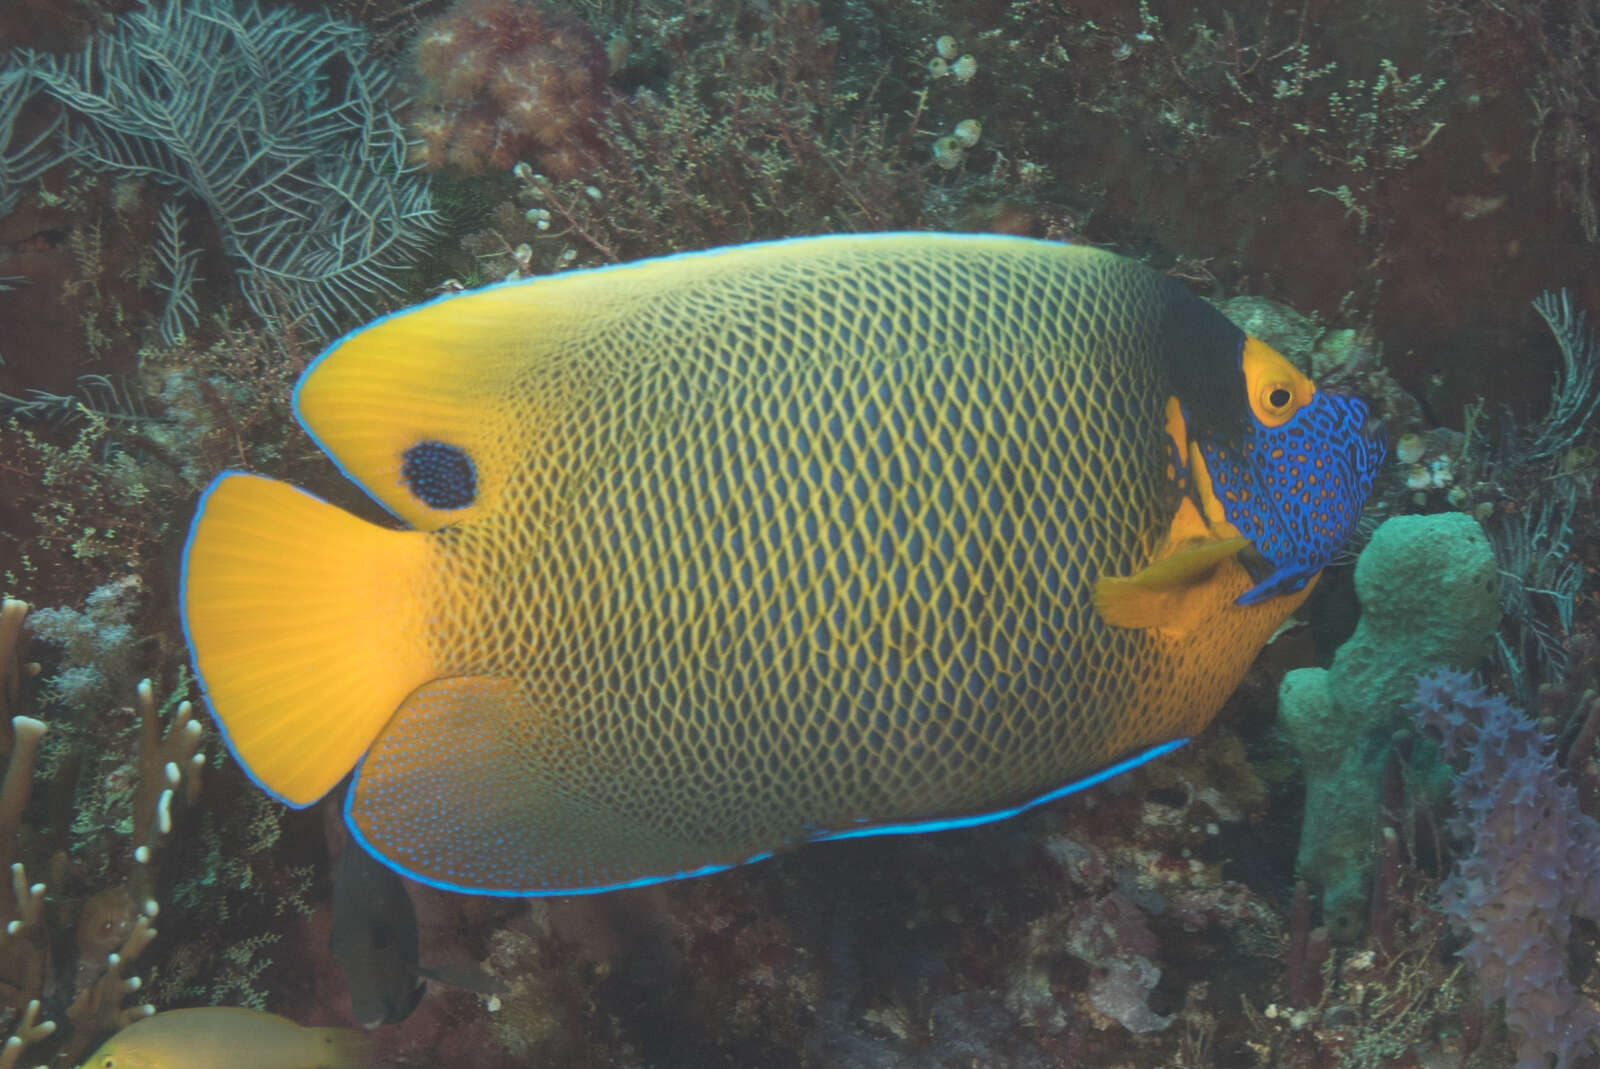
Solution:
(473, 788)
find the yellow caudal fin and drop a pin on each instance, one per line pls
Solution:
(307, 626)
(1158, 595)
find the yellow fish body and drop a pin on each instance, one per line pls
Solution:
(215, 1037)
(723, 553)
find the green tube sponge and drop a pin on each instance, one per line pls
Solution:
(1429, 599)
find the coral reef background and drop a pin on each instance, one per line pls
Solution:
(197, 195)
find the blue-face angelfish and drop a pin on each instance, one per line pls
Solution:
(714, 555)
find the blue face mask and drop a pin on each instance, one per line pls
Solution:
(1296, 490)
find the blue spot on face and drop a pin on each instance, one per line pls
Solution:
(440, 475)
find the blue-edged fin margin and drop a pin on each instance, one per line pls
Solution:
(307, 629)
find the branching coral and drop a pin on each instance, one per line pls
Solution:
(167, 761)
(98, 1009)
(23, 941)
(12, 668)
(501, 81)
(21, 160)
(24, 951)
(29, 1030)
(1577, 390)
(277, 123)
(27, 914)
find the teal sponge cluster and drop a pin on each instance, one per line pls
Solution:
(1428, 588)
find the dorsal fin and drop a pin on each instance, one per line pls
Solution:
(428, 409)
(412, 406)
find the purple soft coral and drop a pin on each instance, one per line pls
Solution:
(1535, 863)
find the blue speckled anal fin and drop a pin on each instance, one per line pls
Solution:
(471, 790)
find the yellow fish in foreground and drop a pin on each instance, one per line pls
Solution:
(225, 1037)
(722, 553)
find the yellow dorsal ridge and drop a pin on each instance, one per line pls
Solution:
(488, 371)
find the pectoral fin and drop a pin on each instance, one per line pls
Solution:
(1158, 596)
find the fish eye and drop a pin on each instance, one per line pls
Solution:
(1277, 398)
